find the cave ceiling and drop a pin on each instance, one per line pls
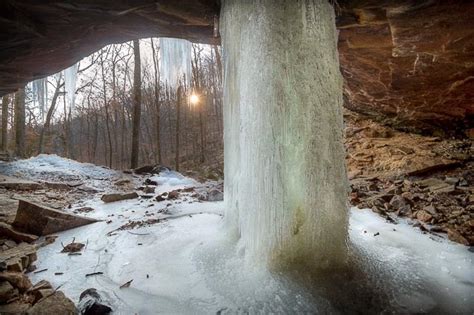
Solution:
(405, 63)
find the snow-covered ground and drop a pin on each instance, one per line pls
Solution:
(50, 167)
(187, 264)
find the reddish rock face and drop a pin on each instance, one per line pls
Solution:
(409, 63)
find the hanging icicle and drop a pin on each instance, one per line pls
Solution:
(40, 94)
(175, 60)
(70, 78)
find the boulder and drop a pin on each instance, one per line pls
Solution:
(41, 220)
(7, 292)
(90, 303)
(118, 197)
(17, 279)
(56, 303)
(18, 258)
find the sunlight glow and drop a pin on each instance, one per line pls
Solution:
(194, 99)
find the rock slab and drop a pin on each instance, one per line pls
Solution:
(41, 220)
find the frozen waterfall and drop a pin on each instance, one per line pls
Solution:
(285, 179)
(175, 60)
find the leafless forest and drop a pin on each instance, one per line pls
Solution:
(124, 115)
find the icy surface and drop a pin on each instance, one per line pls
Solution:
(188, 265)
(50, 167)
(285, 184)
(175, 60)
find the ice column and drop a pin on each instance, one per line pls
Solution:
(175, 60)
(285, 178)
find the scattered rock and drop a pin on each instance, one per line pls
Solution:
(423, 216)
(90, 303)
(455, 236)
(17, 279)
(215, 195)
(174, 194)
(151, 182)
(41, 220)
(150, 169)
(18, 258)
(72, 247)
(117, 197)
(83, 210)
(122, 182)
(149, 190)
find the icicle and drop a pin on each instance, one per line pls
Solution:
(40, 94)
(70, 78)
(175, 60)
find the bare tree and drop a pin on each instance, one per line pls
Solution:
(178, 109)
(5, 102)
(20, 122)
(136, 105)
(49, 115)
(157, 101)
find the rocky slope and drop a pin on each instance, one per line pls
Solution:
(428, 180)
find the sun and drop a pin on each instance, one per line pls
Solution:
(194, 99)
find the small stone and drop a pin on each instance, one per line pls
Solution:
(151, 182)
(118, 197)
(455, 236)
(10, 243)
(451, 180)
(430, 209)
(215, 195)
(423, 216)
(149, 190)
(174, 194)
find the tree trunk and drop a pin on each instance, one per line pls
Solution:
(136, 105)
(157, 102)
(5, 103)
(178, 109)
(20, 122)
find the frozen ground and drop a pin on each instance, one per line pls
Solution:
(186, 263)
(50, 167)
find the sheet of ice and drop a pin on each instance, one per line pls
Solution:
(188, 265)
(172, 178)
